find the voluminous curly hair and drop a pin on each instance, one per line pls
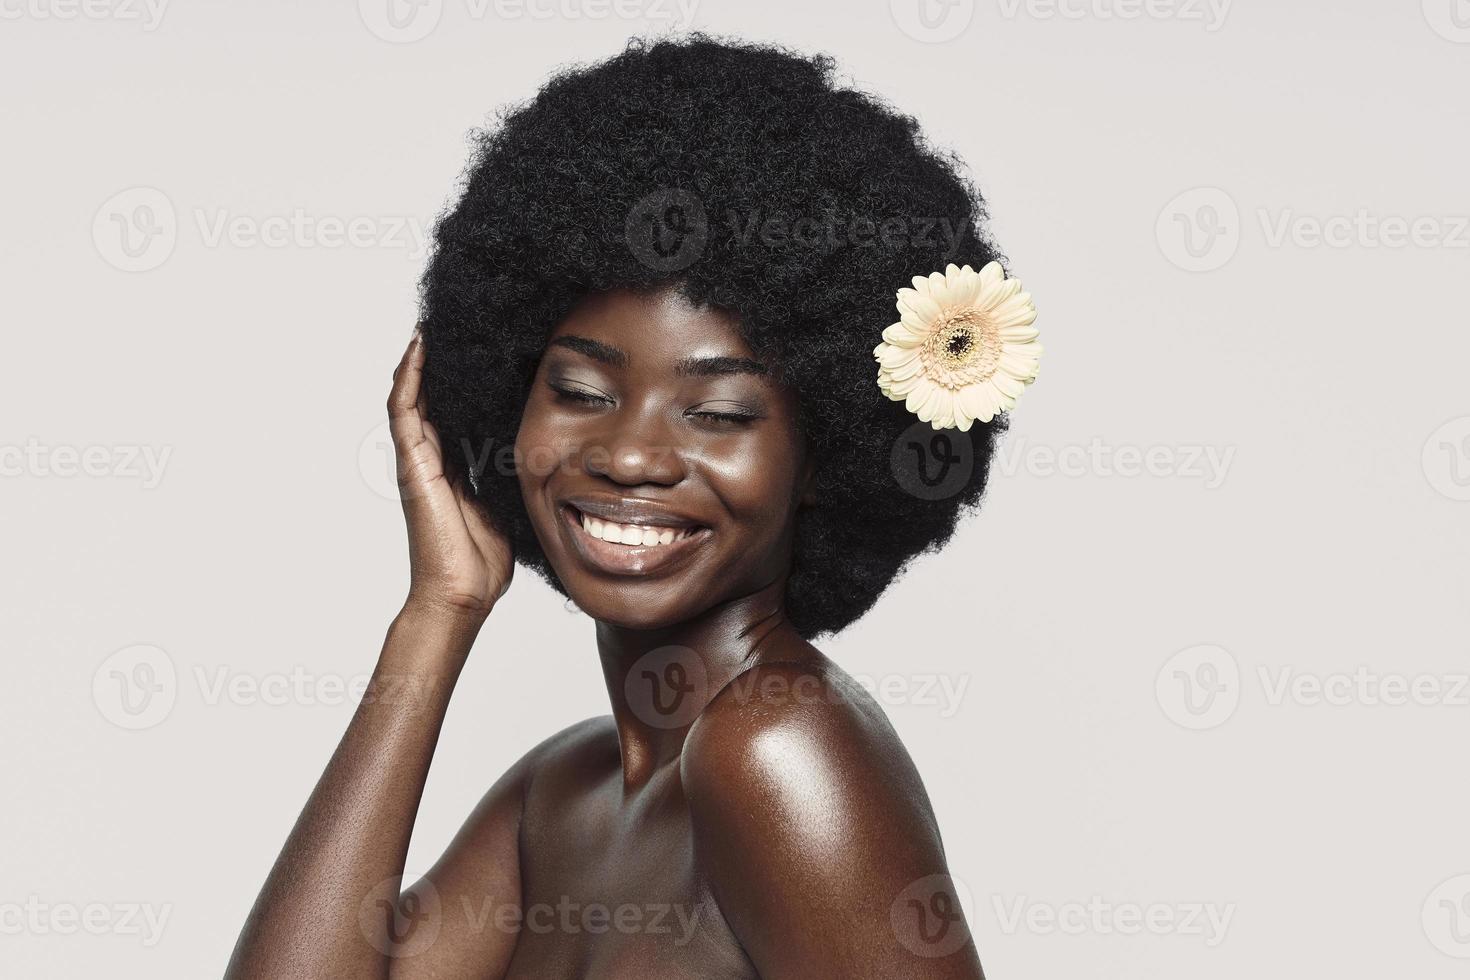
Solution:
(749, 178)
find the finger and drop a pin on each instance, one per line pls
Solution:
(405, 420)
(492, 545)
(431, 434)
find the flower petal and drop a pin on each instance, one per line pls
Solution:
(911, 301)
(900, 335)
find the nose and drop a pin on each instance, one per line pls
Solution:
(637, 446)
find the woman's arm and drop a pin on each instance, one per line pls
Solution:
(332, 906)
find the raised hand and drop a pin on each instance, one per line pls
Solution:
(460, 562)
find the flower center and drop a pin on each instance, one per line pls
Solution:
(959, 343)
(965, 350)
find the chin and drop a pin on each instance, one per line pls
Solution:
(629, 612)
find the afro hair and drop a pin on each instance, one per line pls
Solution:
(748, 178)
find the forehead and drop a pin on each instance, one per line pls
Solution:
(655, 327)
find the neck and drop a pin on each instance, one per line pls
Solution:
(660, 680)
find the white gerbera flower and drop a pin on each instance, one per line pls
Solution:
(963, 349)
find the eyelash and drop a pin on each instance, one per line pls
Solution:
(588, 398)
(578, 395)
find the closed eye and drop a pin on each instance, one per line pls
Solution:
(572, 392)
(728, 415)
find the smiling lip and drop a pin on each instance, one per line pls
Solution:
(674, 537)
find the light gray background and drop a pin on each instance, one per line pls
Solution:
(1122, 747)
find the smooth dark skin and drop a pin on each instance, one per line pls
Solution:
(772, 826)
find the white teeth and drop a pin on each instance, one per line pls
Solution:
(643, 535)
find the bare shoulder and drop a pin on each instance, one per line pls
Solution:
(576, 744)
(812, 826)
(802, 734)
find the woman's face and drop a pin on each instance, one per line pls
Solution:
(660, 463)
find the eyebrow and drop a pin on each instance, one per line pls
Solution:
(689, 367)
(595, 349)
(705, 367)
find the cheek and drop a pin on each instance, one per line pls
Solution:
(537, 449)
(756, 482)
